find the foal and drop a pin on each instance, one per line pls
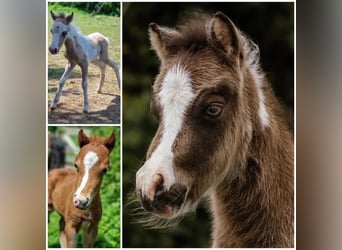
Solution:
(222, 134)
(75, 195)
(80, 50)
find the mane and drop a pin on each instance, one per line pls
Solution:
(75, 29)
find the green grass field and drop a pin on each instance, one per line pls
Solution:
(109, 227)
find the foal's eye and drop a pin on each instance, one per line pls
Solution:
(214, 110)
(104, 170)
(64, 33)
(76, 167)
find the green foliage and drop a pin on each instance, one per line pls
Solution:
(109, 227)
(103, 8)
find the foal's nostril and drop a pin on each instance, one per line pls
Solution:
(156, 185)
(76, 202)
(158, 179)
(53, 50)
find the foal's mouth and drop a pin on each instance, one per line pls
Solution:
(165, 203)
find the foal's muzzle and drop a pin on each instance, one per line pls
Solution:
(53, 50)
(81, 202)
(165, 203)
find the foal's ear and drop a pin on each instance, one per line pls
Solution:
(226, 36)
(160, 37)
(110, 142)
(53, 16)
(82, 138)
(69, 18)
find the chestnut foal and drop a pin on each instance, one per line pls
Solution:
(75, 195)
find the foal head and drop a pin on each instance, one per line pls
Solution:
(59, 30)
(92, 162)
(205, 98)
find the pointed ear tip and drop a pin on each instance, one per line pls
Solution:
(153, 26)
(220, 15)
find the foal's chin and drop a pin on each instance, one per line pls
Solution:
(82, 207)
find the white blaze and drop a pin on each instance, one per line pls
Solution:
(89, 161)
(175, 96)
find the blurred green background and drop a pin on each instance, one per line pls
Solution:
(109, 226)
(270, 25)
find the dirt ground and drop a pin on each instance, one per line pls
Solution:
(104, 108)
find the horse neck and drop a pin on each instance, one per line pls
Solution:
(73, 37)
(250, 208)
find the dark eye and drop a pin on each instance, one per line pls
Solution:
(76, 167)
(214, 110)
(64, 33)
(104, 170)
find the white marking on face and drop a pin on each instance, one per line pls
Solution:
(89, 161)
(175, 96)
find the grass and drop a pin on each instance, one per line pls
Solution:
(109, 227)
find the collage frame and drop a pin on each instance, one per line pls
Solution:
(77, 97)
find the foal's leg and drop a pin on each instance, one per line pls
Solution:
(68, 68)
(104, 57)
(68, 236)
(102, 67)
(89, 236)
(116, 68)
(84, 69)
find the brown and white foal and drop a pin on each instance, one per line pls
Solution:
(75, 195)
(222, 133)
